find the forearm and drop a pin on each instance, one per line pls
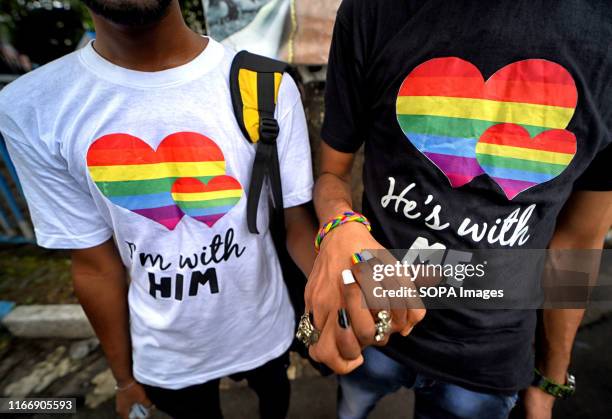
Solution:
(558, 330)
(104, 300)
(332, 196)
(558, 326)
(301, 231)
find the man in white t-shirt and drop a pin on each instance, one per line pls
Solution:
(130, 155)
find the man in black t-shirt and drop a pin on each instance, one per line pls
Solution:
(486, 125)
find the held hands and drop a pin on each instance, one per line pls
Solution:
(346, 315)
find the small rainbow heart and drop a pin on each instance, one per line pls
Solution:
(209, 202)
(516, 162)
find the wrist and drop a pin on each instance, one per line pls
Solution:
(555, 366)
(541, 394)
(338, 221)
(124, 381)
(331, 210)
(555, 388)
(346, 233)
(125, 386)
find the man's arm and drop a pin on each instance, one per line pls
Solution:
(340, 347)
(332, 196)
(582, 224)
(100, 284)
(332, 193)
(301, 231)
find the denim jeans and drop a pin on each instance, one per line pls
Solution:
(380, 375)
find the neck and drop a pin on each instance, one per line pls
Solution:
(162, 45)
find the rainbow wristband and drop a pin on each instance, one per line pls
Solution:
(346, 217)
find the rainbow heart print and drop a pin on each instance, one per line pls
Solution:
(185, 175)
(511, 127)
(206, 202)
(518, 162)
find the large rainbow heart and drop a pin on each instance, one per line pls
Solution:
(134, 176)
(444, 106)
(516, 162)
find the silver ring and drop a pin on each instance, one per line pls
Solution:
(383, 325)
(306, 332)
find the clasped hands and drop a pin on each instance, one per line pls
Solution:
(345, 312)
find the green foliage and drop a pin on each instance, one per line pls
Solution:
(13, 11)
(37, 278)
(193, 12)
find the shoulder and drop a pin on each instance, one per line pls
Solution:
(40, 82)
(360, 11)
(288, 96)
(23, 101)
(226, 51)
(349, 7)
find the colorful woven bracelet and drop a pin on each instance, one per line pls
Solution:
(346, 217)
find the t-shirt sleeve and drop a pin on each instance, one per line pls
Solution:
(597, 175)
(344, 111)
(293, 146)
(63, 213)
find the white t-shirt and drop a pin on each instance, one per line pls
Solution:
(158, 161)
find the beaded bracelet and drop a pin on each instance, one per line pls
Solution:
(346, 217)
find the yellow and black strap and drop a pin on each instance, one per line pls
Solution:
(254, 85)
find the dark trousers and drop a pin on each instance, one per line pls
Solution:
(202, 401)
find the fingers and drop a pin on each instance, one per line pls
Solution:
(147, 403)
(363, 274)
(122, 405)
(375, 300)
(346, 341)
(399, 307)
(326, 351)
(396, 294)
(361, 318)
(318, 307)
(337, 346)
(344, 332)
(407, 307)
(415, 315)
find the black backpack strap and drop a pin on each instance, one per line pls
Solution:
(254, 84)
(253, 76)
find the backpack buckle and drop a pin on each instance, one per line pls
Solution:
(268, 129)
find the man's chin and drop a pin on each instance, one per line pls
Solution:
(130, 13)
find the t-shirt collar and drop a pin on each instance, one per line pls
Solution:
(197, 67)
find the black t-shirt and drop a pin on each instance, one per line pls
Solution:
(480, 112)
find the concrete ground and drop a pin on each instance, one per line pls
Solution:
(592, 364)
(314, 397)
